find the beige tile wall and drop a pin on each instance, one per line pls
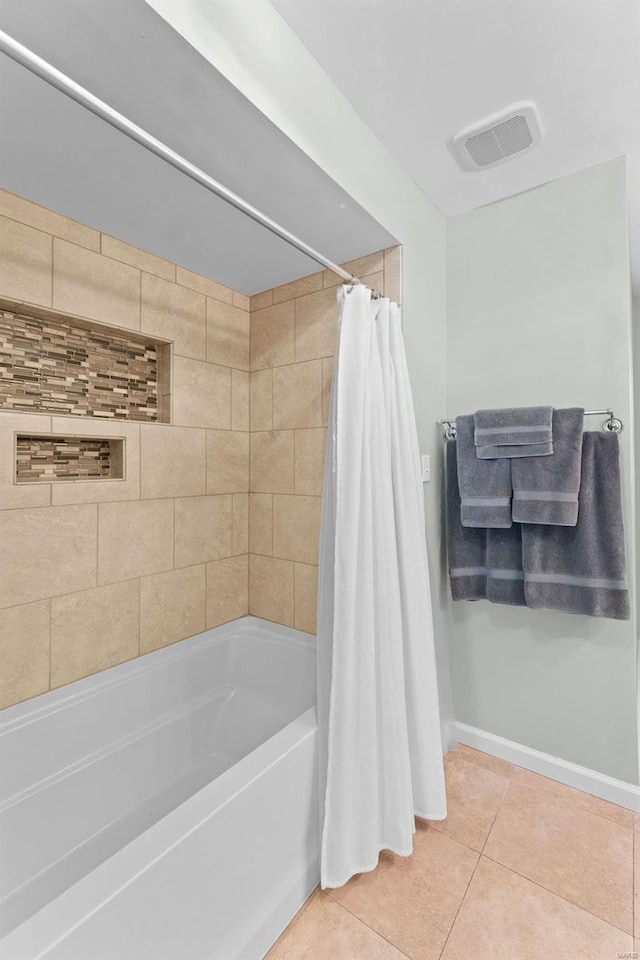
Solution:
(219, 510)
(94, 573)
(293, 340)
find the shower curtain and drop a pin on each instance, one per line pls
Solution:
(380, 747)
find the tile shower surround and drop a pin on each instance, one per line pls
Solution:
(98, 572)
(293, 341)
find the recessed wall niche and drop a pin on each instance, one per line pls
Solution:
(44, 458)
(55, 364)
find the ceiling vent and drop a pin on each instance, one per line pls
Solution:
(498, 138)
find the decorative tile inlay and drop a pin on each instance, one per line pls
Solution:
(60, 366)
(46, 459)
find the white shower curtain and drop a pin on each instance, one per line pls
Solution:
(378, 712)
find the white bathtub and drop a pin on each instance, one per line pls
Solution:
(165, 808)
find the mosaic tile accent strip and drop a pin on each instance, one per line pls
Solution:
(61, 367)
(47, 459)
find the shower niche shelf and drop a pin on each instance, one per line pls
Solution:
(52, 362)
(48, 458)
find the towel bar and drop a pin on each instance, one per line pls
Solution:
(612, 424)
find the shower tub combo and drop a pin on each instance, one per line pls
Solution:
(165, 808)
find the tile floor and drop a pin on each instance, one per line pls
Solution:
(524, 868)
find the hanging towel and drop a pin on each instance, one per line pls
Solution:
(582, 569)
(513, 432)
(484, 564)
(485, 485)
(545, 489)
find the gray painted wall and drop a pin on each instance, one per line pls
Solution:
(538, 312)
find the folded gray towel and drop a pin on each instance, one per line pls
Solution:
(582, 569)
(545, 489)
(483, 564)
(513, 432)
(485, 485)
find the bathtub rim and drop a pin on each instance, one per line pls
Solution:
(45, 704)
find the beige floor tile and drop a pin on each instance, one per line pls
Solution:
(506, 917)
(204, 529)
(272, 462)
(271, 589)
(323, 930)
(227, 335)
(473, 798)
(413, 901)
(494, 764)
(297, 395)
(636, 887)
(272, 338)
(582, 857)
(172, 606)
(93, 630)
(554, 792)
(636, 822)
(24, 652)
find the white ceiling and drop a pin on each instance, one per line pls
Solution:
(417, 71)
(56, 153)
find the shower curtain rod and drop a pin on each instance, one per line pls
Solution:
(41, 68)
(612, 424)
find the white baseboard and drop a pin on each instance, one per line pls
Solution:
(571, 774)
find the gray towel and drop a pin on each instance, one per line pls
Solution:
(545, 489)
(582, 569)
(485, 485)
(513, 432)
(483, 564)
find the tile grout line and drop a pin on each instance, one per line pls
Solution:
(473, 873)
(365, 924)
(555, 893)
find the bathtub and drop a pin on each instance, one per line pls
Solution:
(165, 808)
